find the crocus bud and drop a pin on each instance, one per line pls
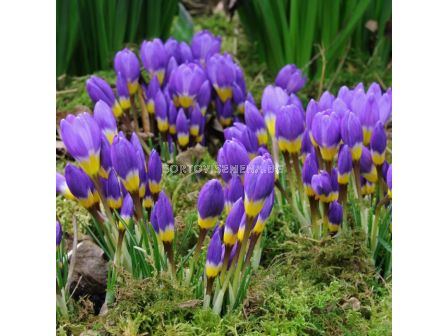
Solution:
(255, 122)
(369, 116)
(161, 112)
(204, 96)
(172, 49)
(238, 97)
(335, 215)
(326, 133)
(126, 163)
(105, 158)
(272, 100)
(151, 91)
(325, 101)
(213, 262)
(385, 106)
(232, 192)
(224, 112)
(186, 55)
(62, 187)
(58, 233)
(389, 181)
(346, 95)
(204, 45)
(123, 92)
(259, 181)
(126, 63)
(351, 132)
(148, 201)
(221, 74)
(367, 188)
(154, 172)
(113, 191)
(345, 165)
(368, 169)
(135, 141)
(223, 166)
(81, 186)
(307, 145)
(210, 204)
(290, 126)
(82, 138)
(165, 218)
(195, 120)
(325, 186)
(233, 222)
(172, 116)
(311, 111)
(236, 157)
(127, 211)
(105, 119)
(183, 129)
(378, 144)
(290, 78)
(310, 168)
(264, 214)
(154, 58)
(99, 89)
(185, 83)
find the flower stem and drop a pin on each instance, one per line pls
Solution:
(197, 251)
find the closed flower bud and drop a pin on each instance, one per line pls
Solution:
(148, 201)
(204, 45)
(378, 144)
(126, 163)
(389, 181)
(385, 106)
(82, 138)
(367, 188)
(165, 218)
(255, 122)
(345, 165)
(81, 186)
(58, 233)
(335, 215)
(154, 172)
(195, 120)
(369, 116)
(152, 90)
(368, 169)
(236, 157)
(213, 262)
(113, 191)
(224, 112)
(290, 78)
(204, 96)
(264, 214)
(273, 99)
(351, 133)
(172, 117)
(127, 211)
(161, 110)
(221, 74)
(233, 222)
(325, 186)
(290, 127)
(238, 97)
(185, 83)
(135, 141)
(210, 204)
(105, 119)
(325, 101)
(62, 187)
(105, 159)
(326, 133)
(126, 63)
(310, 168)
(98, 89)
(223, 166)
(172, 49)
(154, 58)
(232, 192)
(183, 129)
(123, 92)
(346, 95)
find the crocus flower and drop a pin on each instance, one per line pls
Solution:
(123, 92)
(204, 45)
(135, 141)
(105, 119)
(204, 95)
(389, 181)
(307, 145)
(82, 138)
(346, 95)
(311, 111)
(154, 172)
(151, 92)
(250, 142)
(367, 187)
(127, 211)
(351, 133)
(238, 97)
(236, 157)
(58, 233)
(326, 133)
(183, 129)
(259, 181)
(378, 144)
(325, 186)
(273, 98)
(186, 55)
(113, 191)
(232, 192)
(185, 83)
(310, 168)
(165, 218)
(172, 49)
(161, 112)
(345, 165)
(290, 127)
(290, 78)
(126, 63)
(223, 166)
(369, 116)
(148, 201)
(172, 116)
(368, 169)
(105, 158)
(233, 222)
(195, 120)
(126, 163)
(62, 187)
(335, 215)
(99, 89)
(264, 214)
(210, 204)
(221, 73)
(81, 186)
(325, 101)
(154, 58)
(385, 106)
(255, 122)
(224, 112)
(241, 228)
(213, 262)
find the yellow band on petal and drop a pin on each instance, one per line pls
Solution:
(206, 223)
(253, 208)
(91, 165)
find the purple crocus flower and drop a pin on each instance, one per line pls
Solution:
(378, 144)
(151, 92)
(389, 181)
(223, 166)
(172, 49)
(99, 89)
(255, 122)
(384, 169)
(311, 111)
(135, 141)
(264, 214)
(236, 157)
(113, 191)
(204, 45)
(375, 90)
(154, 172)
(161, 111)
(81, 186)
(210, 204)
(126, 63)
(325, 186)
(224, 112)
(273, 99)
(165, 218)
(204, 96)
(126, 163)
(346, 95)
(367, 188)
(326, 133)
(335, 215)
(345, 165)
(127, 211)
(369, 116)
(385, 106)
(238, 97)
(183, 129)
(185, 83)
(290, 127)
(294, 100)
(123, 92)
(250, 142)
(105, 158)
(172, 116)
(233, 222)
(307, 145)
(148, 201)
(310, 168)
(195, 120)
(154, 58)
(186, 55)
(325, 101)
(105, 119)
(82, 138)
(259, 181)
(213, 262)
(232, 191)
(351, 133)
(290, 78)
(58, 233)
(221, 73)
(368, 169)
(62, 187)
